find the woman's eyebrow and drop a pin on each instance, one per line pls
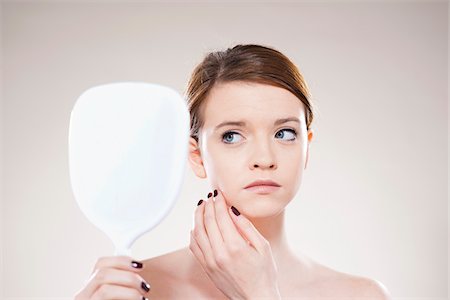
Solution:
(243, 124)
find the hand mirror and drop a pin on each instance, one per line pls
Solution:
(128, 144)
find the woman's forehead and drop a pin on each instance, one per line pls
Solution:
(251, 102)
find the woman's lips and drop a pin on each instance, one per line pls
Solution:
(263, 189)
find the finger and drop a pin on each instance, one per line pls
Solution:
(195, 249)
(230, 233)
(118, 277)
(249, 231)
(212, 229)
(115, 292)
(119, 262)
(200, 236)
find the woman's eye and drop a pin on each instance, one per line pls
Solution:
(228, 134)
(291, 131)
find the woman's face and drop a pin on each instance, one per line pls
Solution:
(233, 156)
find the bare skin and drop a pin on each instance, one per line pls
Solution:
(177, 275)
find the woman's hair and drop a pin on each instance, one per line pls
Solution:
(251, 63)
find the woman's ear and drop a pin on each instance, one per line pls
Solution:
(195, 158)
(310, 137)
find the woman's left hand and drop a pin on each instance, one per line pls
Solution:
(235, 256)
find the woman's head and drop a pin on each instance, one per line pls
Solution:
(259, 86)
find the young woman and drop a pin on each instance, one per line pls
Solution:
(251, 119)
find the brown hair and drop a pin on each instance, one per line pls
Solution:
(250, 62)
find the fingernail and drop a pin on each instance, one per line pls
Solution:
(143, 298)
(200, 202)
(209, 195)
(215, 193)
(145, 286)
(235, 211)
(136, 264)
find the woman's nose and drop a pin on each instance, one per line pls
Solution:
(263, 156)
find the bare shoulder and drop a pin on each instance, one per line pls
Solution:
(165, 260)
(368, 288)
(169, 270)
(160, 272)
(353, 286)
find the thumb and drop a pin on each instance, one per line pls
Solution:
(248, 230)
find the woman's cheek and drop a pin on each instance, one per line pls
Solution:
(291, 174)
(296, 180)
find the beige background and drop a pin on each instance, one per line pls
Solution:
(374, 198)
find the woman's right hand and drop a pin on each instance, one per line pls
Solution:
(115, 277)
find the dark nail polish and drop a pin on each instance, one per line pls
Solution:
(143, 298)
(145, 286)
(136, 264)
(235, 211)
(215, 193)
(209, 195)
(200, 202)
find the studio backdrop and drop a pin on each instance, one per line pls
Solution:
(373, 201)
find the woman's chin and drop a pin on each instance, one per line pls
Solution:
(259, 208)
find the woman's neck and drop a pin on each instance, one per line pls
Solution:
(273, 230)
